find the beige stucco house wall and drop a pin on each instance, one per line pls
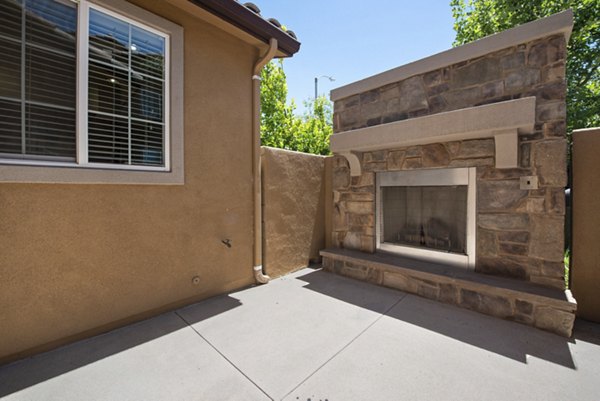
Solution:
(79, 259)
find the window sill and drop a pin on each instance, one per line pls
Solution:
(21, 171)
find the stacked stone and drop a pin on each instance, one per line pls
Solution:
(519, 232)
(533, 69)
(543, 311)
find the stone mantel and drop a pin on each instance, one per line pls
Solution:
(500, 121)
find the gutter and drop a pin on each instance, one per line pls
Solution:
(252, 23)
(259, 276)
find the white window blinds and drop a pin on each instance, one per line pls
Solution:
(123, 71)
(37, 79)
(126, 92)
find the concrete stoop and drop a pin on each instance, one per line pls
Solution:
(545, 308)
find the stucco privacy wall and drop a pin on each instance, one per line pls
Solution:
(79, 259)
(519, 232)
(294, 190)
(585, 257)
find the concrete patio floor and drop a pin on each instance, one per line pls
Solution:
(316, 336)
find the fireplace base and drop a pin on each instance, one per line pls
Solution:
(545, 308)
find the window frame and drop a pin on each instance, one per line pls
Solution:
(34, 169)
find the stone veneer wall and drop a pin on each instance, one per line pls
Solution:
(519, 232)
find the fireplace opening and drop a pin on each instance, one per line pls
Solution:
(432, 217)
(428, 214)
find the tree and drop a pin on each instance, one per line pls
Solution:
(475, 19)
(316, 128)
(280, 127)
(277, 117)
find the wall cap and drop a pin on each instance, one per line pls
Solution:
(592, 130)
(555, 24)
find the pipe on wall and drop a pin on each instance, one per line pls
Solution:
(259, 275)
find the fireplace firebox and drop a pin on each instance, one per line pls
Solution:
(428, 214)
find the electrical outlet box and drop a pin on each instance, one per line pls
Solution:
(529, 182)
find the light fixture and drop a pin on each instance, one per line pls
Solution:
(331, 79)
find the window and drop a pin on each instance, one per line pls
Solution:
(83, 85)
(37, 79)
(126, 86)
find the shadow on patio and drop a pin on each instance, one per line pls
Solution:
(309, 332)
(40, 368)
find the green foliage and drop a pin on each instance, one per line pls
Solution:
(475, 19)
(313, 133)
(277, 117)
(567, 262)
(280, 127)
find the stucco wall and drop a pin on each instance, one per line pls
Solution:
(294, 192)
(79, 259)
(585, 261)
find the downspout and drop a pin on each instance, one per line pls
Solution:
(259, 276)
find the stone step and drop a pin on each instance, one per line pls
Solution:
(520, 301)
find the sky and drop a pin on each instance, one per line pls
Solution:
(351, 40)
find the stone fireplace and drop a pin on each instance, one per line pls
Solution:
(458, 161)
(485, 152)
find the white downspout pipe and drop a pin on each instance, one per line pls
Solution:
(259, 276)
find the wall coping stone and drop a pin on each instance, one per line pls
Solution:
(495, 120)
(560, 23)
(271, 149)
